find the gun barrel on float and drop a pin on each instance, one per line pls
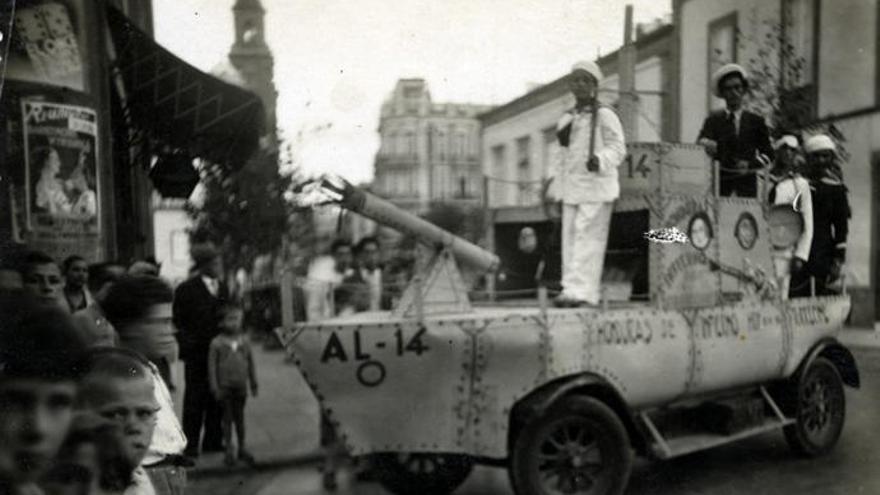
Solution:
(386, 213)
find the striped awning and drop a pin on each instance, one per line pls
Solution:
(179, 105)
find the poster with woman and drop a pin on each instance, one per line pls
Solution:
(60, 170)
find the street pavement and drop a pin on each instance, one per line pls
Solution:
(283, 425)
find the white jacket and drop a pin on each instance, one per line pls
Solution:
(573, 182)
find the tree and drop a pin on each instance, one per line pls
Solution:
(245, 212)
(780, 87)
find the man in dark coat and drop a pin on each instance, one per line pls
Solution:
(195, 310)
(737, 139)
(831, 214)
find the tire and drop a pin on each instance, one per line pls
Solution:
(818, 404)
(579, 447)
(428, 474)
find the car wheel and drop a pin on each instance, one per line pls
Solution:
(819, 407)
(579, 447)
(429, 474)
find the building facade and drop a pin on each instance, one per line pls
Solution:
(836, 43)
(519, 137)
(429, 151)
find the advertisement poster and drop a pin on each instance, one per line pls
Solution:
(61, 200)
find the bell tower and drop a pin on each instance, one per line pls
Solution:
(250, 55)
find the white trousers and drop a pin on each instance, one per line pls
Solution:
(584, 238)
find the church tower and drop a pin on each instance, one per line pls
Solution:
(251, 57)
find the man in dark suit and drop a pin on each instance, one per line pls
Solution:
(196, 315)
(737, 139)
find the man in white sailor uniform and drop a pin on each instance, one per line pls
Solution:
(586, 181)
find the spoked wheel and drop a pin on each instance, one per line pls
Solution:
(428, 474)
(580, 447)
(819, 409)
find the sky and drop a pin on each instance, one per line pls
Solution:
(336, 61)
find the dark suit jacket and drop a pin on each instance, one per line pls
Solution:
(196, 314)
(732, 147)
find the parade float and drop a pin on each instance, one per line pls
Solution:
(705, 353)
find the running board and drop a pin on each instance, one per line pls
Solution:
(667, 448)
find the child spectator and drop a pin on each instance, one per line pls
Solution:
(92, 321)
(231, 369)
(38, 350)
(140, 307)
(117, 385)
(76, 274)
(42, 276)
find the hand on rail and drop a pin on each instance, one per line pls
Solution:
(709, 145)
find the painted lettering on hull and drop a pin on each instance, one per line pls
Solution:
(370, 353)
(629, 331)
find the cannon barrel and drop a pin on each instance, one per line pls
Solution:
(386, 213)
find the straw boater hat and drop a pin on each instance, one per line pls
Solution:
(725, 71)
(819, 142)
(589, 67)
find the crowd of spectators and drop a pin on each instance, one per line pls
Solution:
(88, 354)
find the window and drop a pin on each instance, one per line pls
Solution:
(441, 182)
(551, 146)
(498, 173)
(799, 18)
(798, 97)
(459, 144)
(524, 173)
(440, 145)
(411, 148)
(722, 49)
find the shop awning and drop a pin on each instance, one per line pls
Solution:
(179, 105)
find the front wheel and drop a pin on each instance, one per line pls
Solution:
(819, 407)
(579, 447)
(428, 474)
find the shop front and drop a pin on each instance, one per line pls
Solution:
(95, 115)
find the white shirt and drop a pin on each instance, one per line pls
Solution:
(211, 284)
(168, 438)
(574, 183)
(374, 280)
(796, 188)
(737, 117)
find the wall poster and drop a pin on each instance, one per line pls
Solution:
(62, 210)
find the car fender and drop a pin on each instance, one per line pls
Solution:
(838, 354)
(541, 400)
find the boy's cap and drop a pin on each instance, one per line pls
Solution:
(819, 142)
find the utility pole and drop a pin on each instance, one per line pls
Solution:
(626, 61)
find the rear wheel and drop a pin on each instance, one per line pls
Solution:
(429, 474)
(579, 447)
(819, 407)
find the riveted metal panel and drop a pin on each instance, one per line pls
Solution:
(452, 389)
(680, 273)
(743, 235)
(418, 377)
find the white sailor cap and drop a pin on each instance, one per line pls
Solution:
(819, 142)
(725, 71)
(589, 67)
(786, 140)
